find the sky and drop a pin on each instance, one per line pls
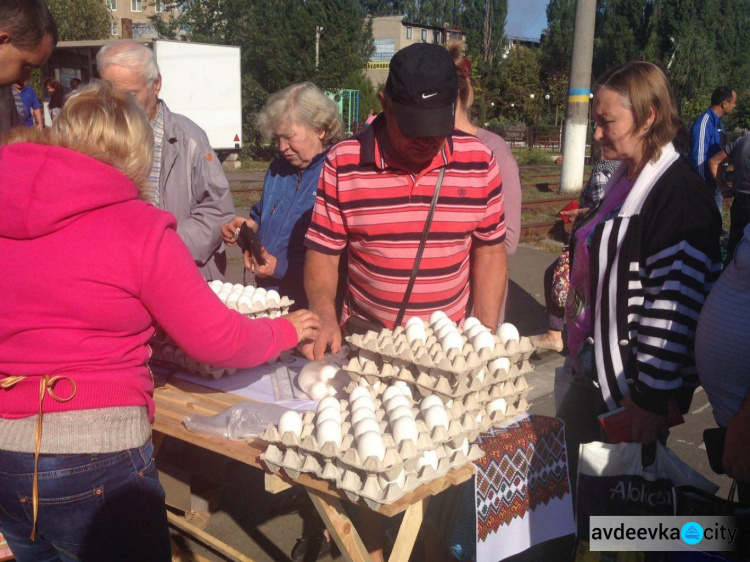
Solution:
(526, 18)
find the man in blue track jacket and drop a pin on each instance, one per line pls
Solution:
(707, 135)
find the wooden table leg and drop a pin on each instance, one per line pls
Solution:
(338, 523)
(207, 539)
(407, 533)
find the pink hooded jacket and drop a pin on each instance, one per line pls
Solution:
(87, 271)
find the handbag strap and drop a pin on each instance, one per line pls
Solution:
(420, 250)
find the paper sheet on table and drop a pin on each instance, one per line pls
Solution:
(256, 384)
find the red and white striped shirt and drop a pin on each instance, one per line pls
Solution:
(378, 211)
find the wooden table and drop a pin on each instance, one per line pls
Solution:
(178, 399)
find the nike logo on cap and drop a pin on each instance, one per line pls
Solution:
(425, 96)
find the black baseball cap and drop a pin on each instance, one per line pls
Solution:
(422, 86)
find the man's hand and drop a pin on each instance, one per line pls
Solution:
(306, 323)
(646, 425)
(329, 336)
(228, 230)
(266, 270)
(321, 280)
(736, 459)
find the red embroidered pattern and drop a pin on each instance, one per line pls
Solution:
(525, 466)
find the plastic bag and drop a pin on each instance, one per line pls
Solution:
(240, 422)
(613, 481)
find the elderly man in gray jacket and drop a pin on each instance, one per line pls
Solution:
(187, 178)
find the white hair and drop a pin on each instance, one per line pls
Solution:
(132, 55)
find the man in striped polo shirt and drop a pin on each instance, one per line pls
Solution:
(374, 197)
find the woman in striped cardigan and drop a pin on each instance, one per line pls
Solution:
(642, 263)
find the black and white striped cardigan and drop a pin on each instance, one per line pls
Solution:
(651, 269)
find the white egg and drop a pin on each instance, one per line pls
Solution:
(463, 447)
(434, 416)
(470, 322)
(244, 303)
(445, 330)
(390, 392)
(328, 371)
(428, 458)
(361, 414)
(404, 428)
(414, 321)
(318, 391)
(416, 333)
(328, 431)
(328, 402)
(395, 402)
(224, 295)
(358, 393)
(238, 287)
(259, 298)
(499, 363)
(451, 341)
(507, 332)
(249, 290)
(437, 315)
(441, 323)
(364, 425)
(404, 386)
(227, 287)
(273, 298)
(474, 330)
(430, 401)
(370, 444)
(399, 481)
(362, 402)
(332, 413)
(232, 300)
(365, 356)
(499, 404)
(482, 340)
(401, 411)
(290, 421)
(216, 285)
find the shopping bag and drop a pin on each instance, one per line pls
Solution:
(612, 480)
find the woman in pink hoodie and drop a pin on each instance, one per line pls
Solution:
(89, 269)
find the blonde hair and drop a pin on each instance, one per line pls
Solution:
(306, 105)
(465, 88)
(109, 126)
(644, 88)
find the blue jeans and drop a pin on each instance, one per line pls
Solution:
(106, 507)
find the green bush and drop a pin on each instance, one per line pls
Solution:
(534, 156)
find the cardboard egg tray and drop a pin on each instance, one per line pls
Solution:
(171, 353)
(436, 381)
(405, 455)
(392, 347)
(260, 310)
(358, 484)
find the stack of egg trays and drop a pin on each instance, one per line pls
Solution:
(166, 350)
(358, 479)
(260, 311)
(453, 376)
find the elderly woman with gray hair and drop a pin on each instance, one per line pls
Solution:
(304, 123)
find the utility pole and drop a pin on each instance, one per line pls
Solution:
(318, 29)
(576, 121)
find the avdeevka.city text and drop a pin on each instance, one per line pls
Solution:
(661, 532)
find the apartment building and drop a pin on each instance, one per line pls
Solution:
(393, 33)
(130, 18)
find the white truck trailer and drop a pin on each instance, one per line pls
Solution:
(200, 81)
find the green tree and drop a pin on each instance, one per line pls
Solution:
(79, 20)
(277, 40)
(521, 79)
